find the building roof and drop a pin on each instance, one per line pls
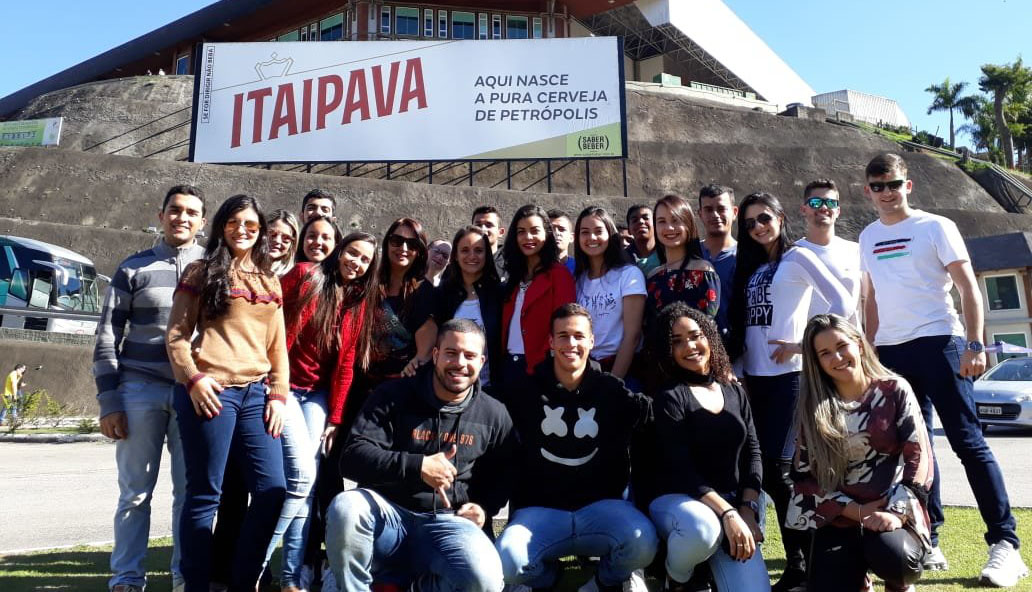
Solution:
(1001, 251)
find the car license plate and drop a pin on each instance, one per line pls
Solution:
(990, 410)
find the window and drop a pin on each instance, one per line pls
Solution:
(406, 21)
(385, 20)
(40, 297)
(183, 64)
(313, 32)
(442, 24)
(331, 28)
(428, 22)
(304, 33)
(1002, 292)
(483, 26)
(516, 27)
(462, 25)
(291, 36)
(1017, 339)
(496, 26)
(537, 28)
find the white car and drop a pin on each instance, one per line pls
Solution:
(1003, 395)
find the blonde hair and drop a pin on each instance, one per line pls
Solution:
(820, 411)
(284, 264)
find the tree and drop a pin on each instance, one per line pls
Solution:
(1003, 83)
(947, 98)
(982, 128)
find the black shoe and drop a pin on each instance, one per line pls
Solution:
(701, 581)
(792, 580)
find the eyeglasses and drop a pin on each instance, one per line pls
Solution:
(250, 226)
(878, 186)
(763, 218)
(817, 202)
(398, 241)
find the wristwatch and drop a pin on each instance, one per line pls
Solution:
(975, 346)
(752, 505)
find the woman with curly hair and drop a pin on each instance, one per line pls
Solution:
(232, 382)
(709, 486)
(863, 466)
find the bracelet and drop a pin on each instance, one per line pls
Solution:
(726, 512)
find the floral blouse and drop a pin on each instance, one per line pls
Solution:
(889, 456)
(695, 287)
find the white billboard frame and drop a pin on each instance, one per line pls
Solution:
(591, 143)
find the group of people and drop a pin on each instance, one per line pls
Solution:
(629, 398)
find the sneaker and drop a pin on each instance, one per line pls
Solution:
(935, 560)
(127, 588)
(792, 580)
(636, 583)
(1005, 566)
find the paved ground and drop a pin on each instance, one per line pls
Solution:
(64, 494)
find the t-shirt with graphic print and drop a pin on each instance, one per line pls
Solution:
(777, 306)
(603, 297)
(907, 264)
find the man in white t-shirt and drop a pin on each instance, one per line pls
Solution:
(912, 259)
(820, 209)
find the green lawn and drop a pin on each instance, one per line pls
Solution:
(85, 568)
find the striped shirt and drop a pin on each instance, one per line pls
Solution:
(131, 333)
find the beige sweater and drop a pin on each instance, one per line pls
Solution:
(242, 346)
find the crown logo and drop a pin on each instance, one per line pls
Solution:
(274, 68)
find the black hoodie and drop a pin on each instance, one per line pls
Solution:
(574, 445)
(403, 421)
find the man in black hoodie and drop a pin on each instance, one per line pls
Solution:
(575, 424)
(430, 456)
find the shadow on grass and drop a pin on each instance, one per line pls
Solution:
(76, 570)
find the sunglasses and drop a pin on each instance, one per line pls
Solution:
(878, 186)
(398, 241)
(763, 218)
(250, 226)
(817, 202)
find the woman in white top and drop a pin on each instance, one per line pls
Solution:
(774, 284)
(611, 288)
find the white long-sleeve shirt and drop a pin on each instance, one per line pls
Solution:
(778, 305)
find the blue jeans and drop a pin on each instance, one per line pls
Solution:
(369, 539)
(614, 530)
(932, 367)
(151, 420)
(302, 441)
(693, 534)
(239, 429)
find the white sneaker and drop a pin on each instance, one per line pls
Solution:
(1005, 566)
(935, 560)
(636, 583)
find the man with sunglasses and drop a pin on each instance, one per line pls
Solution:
(913, 259)
(820, 209)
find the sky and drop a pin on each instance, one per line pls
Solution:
(890, 48)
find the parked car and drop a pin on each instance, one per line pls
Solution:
(1003, 395)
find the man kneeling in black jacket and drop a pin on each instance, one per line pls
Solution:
(575, 424)
(430, 456)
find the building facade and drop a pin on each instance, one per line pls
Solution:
(1003, 267)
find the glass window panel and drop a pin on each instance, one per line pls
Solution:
(537, 28)
(496, 26)
(462, 25)
(183, 65)
(294, 35)
(428, 22)
(385, 20)
(516, 27)
(442, 24)
(332, 28)
(406, 21)
(1002, 292)
(483, 26)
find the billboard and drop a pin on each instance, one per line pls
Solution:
(31, 132)
(281, 102)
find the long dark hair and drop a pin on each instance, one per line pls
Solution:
(413, 275)
(752, 256)
(338, 236)
(613, 257)
(334, 296)
(218, 257)
(452, 275)
(515, 260)
(679, 208)
(663, 344)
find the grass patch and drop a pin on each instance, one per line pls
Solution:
(86, 568)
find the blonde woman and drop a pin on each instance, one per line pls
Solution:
(863, 464)
(283, 235)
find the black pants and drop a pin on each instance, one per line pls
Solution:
(777, 482)
(841, 557)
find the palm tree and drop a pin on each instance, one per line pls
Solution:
(1003, 82)
(947, 98)
(982, 128)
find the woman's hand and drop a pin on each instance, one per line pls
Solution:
(785, 350)
(413, 365)
(327, 438)
(881, 521)
(274, 417)
(752, 521)
(204, 394)
(739, 536)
